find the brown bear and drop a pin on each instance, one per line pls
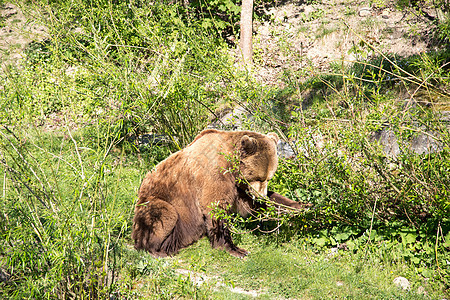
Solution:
(176, 198)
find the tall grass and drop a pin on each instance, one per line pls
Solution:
(141, 68)
(71, 164)
(61, 217)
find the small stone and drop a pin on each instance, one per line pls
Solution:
(385, 14)
(421, 290)
(4, 276)
(285, 150)
(364, 11)
(402, 283)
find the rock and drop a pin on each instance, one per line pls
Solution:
(425, 143)
(388, 140)
(285, 150)
(364, 11)
(402, 283)
(232, 120)
(385, 14)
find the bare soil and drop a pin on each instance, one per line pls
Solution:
(302, 35)
(16, 32)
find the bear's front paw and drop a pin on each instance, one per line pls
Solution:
(238, 252)
(301, 206)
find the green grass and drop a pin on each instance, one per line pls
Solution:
(290, 271)
(85, 230)
(70, 167)
(323, 31)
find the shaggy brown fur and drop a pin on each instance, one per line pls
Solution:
(176, 198)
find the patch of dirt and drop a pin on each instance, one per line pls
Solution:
(200, 278)
(301, 35)
(16, 32)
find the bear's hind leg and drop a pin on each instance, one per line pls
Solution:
(153, 222)
(220, 237)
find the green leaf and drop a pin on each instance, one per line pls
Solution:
(351, 245)
(427, 273)
(447, 240)
(408, 237)
(207, 23)
(415, 260)
(322, 241)
(342, 236)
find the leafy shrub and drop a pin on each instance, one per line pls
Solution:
(142, 67)
(57, 231)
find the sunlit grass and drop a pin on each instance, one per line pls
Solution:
(70, 167)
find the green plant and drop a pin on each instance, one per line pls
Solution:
(323, 31)
(314, 15)
(444, 31)
(349, 11)
(57, 231)
(136, 68)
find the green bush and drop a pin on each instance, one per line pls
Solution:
(363, 197)
(61, 219)
(138, 67)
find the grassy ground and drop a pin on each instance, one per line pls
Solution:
(94, 214)
(70, 163)
(289, 271)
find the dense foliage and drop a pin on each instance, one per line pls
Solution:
(71, 156)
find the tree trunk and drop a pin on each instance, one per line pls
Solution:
(246, 31)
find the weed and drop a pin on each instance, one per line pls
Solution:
(323, 31)
(314, 15)
(349, 11)
(303, 29)
(369, 23)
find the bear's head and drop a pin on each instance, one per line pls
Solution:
(258, 162)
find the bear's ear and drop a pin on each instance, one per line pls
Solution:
(248, 145)
(273, 136)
